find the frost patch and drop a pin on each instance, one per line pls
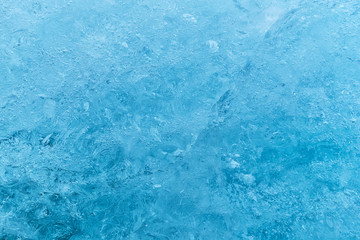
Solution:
(247, 179)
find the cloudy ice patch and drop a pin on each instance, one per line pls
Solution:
(270, 16)
(247, 179)
(190, 18)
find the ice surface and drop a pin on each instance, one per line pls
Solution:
(233, 119)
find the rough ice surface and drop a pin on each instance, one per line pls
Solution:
(139, 119)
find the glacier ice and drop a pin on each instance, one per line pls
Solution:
(234, 119)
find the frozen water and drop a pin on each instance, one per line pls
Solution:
(233, 119)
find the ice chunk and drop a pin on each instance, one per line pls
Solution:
(86, 106)
(213, 45)
(47, 139)
(234, 164)
(124, 44)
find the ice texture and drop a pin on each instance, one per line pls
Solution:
(217, 119)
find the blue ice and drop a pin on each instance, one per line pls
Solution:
(140, 119)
